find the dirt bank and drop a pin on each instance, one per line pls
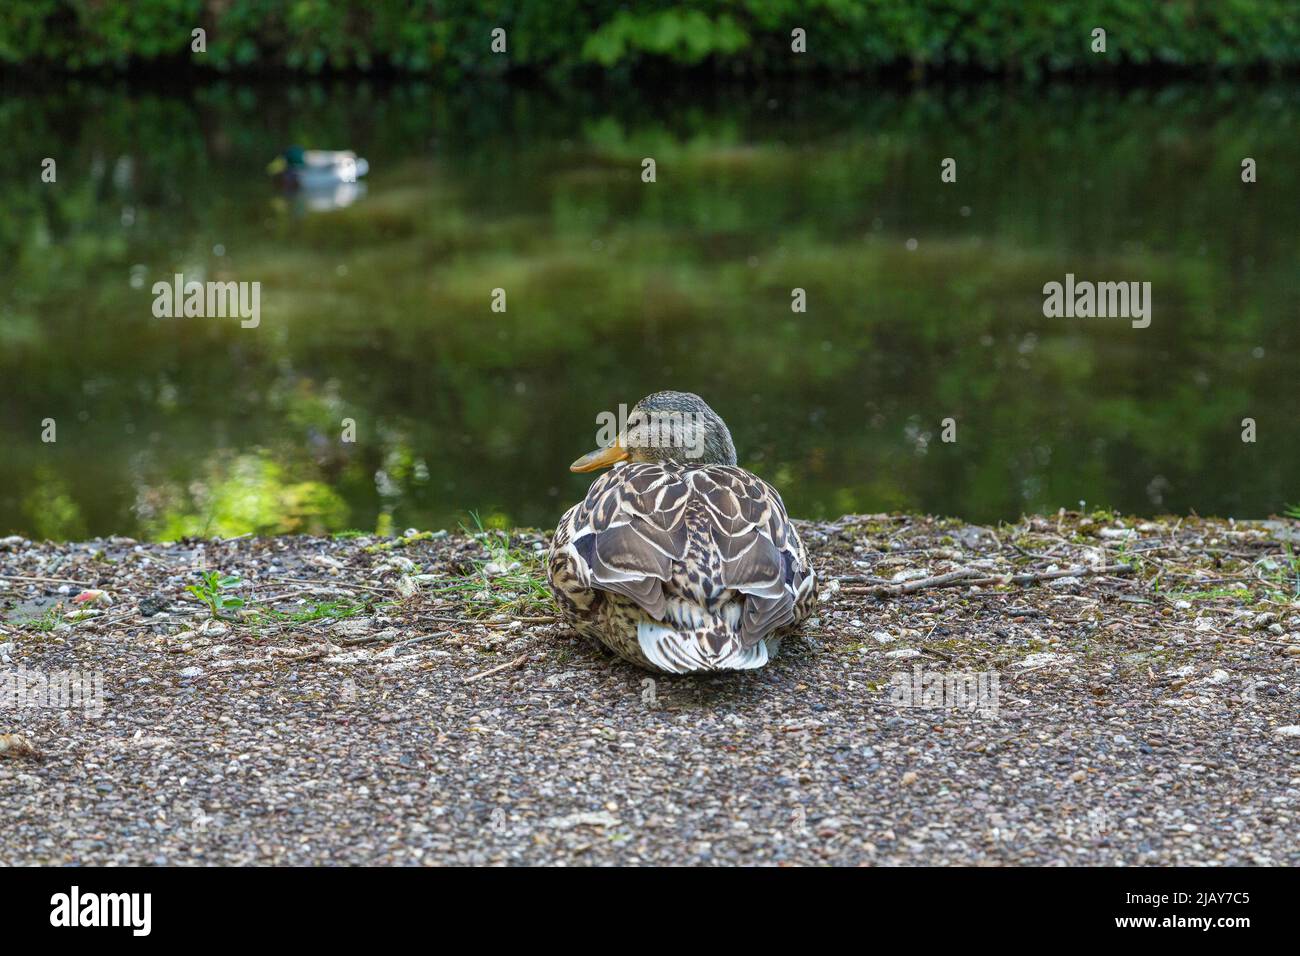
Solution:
(1071, 689)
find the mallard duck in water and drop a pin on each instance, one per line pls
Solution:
(677, 560)
(299, 168)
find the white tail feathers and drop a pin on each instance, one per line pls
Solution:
(683, 652)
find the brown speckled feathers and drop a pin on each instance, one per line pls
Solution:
(682, 568)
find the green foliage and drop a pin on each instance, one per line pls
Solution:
(450, 38)
(322, 611)
(51, 509)
(402, 542)
(681, 35)
(1291, 573)
(211, 590)
(511, 581)
(249, 495)
(46, 621)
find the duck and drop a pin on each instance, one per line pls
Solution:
(678, 560)
(299, 168)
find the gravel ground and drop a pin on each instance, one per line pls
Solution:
(1138, 706)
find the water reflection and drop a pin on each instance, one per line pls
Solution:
(924, 301)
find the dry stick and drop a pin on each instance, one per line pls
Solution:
(349, 585)
(516, 663)
(426, 637)
(966, 577)
(364, 639)
(41, 580)
(442, 619)
(375, 638)
(939, 581)
(1031, 577)
(306, 589)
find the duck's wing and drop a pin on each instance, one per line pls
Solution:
(699, 531)
(625, 535)
(759, 550)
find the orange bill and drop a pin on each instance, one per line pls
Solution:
(600, 458)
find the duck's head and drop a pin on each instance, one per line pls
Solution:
(666, 426)
(291, 158)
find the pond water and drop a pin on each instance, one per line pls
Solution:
(924, 299)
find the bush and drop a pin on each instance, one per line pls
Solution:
(450, 38)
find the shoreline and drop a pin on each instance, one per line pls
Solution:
(414, 700)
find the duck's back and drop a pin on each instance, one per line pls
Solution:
(682, 568)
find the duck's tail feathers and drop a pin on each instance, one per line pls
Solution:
(684, 652)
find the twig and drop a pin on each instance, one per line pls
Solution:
(966, 576)
(512, 665)
(1031, 577)
(41, 580)
(426, 637)
(938, 581)
(325, 584)
(861, 579)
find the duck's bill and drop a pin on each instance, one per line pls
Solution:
(600, 458)
(276, 166)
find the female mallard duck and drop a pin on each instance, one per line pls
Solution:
(677, 560)
(300, 168)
